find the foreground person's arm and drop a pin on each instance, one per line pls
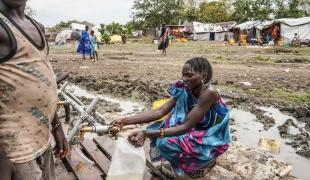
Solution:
(62, 146)
(7, 168)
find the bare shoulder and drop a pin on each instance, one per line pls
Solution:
(209, 94)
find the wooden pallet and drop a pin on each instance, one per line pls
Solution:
(100, 151)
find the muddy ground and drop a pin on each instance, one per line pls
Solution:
(246, 77)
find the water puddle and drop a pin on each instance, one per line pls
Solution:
(128, 107)
(249, 132)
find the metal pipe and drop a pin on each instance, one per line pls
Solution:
(82, 104)
(63, 87)
(97, 128)
(74, 98)
(84, 115)
(85, 112)
(92, 105)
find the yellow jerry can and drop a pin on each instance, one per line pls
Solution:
(158, 104)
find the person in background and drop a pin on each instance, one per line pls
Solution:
(164, 39)
(296, 41)
(94, 45)
(84, 47)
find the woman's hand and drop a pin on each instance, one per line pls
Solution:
(116, 126)
(137, 138)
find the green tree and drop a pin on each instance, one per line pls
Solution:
(267, 9)
(280, 9)
(135, 25)
(155, 12)
(215, 11)
(191, 10)
(62, 25)
(295, 8)
(105, 34)
(242, 11)
(262, 9)
(305, 7)
(246, 10)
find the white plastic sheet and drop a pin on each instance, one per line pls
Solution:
(127, 163)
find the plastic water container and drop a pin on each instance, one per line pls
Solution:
(157, 105)
(231, 42)
(128, 162)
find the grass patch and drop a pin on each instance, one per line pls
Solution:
(262, 58)
(294, 60)
(289, 96)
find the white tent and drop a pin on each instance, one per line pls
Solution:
(75, 26)
(289, 27)
(63, 36)
(206, 27)
(211, 31)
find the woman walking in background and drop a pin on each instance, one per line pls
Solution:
(85, 44)
(163, 39)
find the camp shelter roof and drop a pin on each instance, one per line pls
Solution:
(77, 26)
(294, 21)
(264, 24)
(247, 25)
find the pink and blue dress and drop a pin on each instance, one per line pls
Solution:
(201, 145)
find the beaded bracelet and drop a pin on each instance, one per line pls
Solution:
(161, 132)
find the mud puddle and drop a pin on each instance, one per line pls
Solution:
(249, 131)
(126, 107)
(110, 107)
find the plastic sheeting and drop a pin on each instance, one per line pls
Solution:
(247, 25)
(288, 32)
(207, 27)
(295, 22)
(128, 162)
(63, 36)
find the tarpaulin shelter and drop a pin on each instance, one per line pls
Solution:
(290, 26)
(287, 28)
(212, 31)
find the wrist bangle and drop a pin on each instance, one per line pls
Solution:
(161, 132)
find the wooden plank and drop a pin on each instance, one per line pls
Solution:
(82, 170)
(94, 152)
(105, 143)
